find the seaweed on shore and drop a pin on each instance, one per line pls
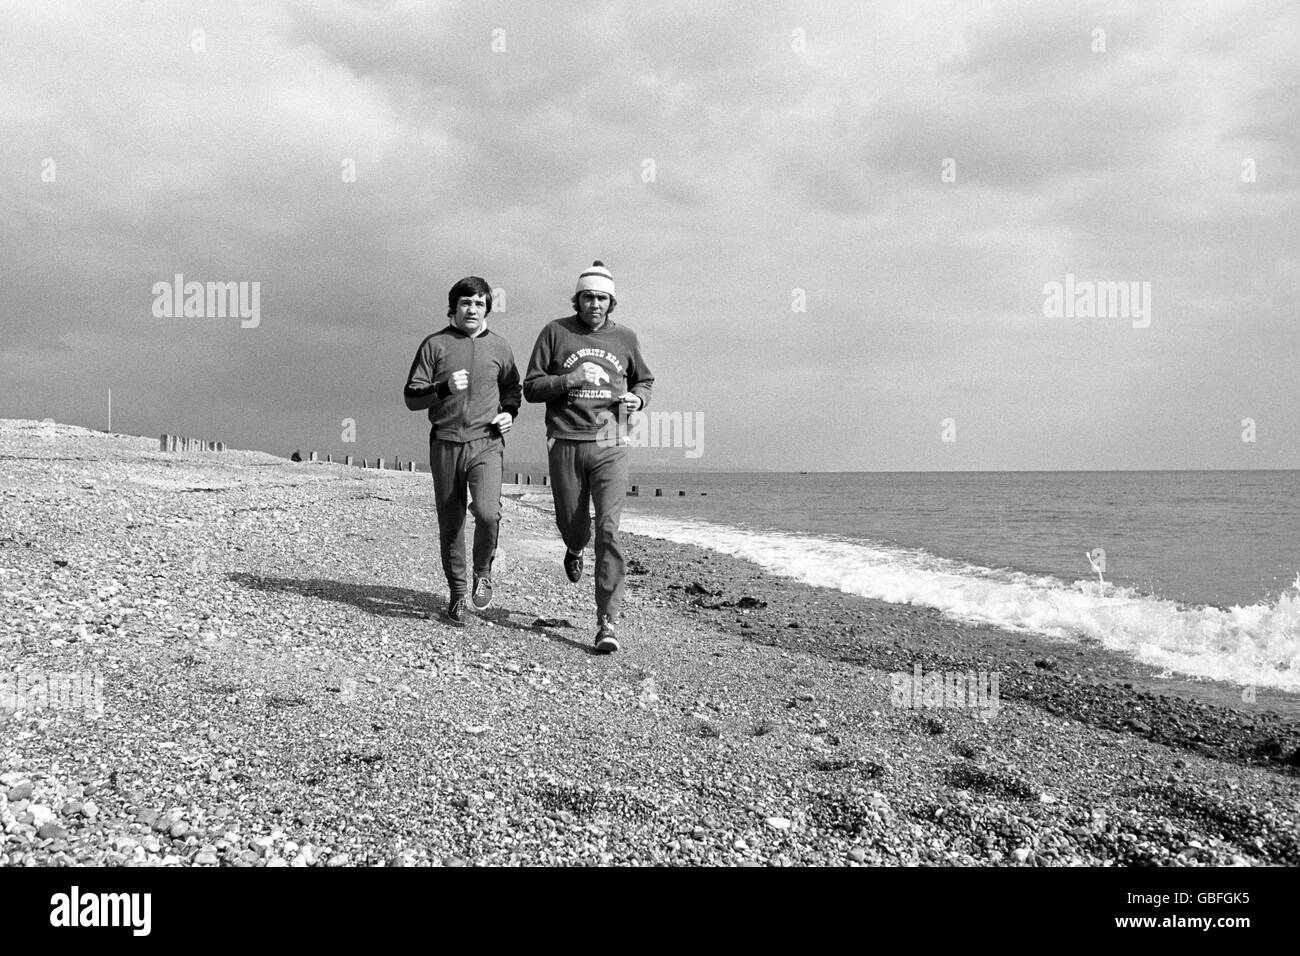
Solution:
(1240, 825)
(585, 802)
(985, 780)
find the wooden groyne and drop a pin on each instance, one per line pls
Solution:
(182, 443)
(524, 483)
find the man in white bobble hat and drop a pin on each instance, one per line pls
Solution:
(584, 367)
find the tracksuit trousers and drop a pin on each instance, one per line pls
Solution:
(583, 472)
(457, 467)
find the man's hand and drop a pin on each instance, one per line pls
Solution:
(459, 380)
(588, 373)
(503, 422)
(630, 401)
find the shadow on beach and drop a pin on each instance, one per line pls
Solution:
(385, 600)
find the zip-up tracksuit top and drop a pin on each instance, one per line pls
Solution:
(493, 383)
(563, 345)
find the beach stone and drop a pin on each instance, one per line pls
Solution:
(858, 855)
(179, 830)
(40, 815)
(277, 861)
(206, 858)
(52, 831)
(21, 792)
(778, 823)
(89, 810)
(1020, 854)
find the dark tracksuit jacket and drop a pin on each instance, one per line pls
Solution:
(585, 471)
(465, 451)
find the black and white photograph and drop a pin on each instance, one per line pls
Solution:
(480, 435)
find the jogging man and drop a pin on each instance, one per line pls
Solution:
(584, 367)
(466, 377)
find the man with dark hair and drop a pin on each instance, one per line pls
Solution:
(466, 377)
(582, 367)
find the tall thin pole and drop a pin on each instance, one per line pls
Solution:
(110, 409)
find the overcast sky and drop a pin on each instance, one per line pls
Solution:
(795, 146)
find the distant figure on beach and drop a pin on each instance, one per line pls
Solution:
(582, 366)
(465, 376)
(296, 456)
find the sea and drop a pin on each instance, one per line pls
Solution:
(1200, 575)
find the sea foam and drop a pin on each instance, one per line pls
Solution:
(1258, 645)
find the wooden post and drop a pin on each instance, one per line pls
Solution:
(659, 492)
(162, 442)
(312, 456)
(365, 462)
(519, 477)
(546, 480)
(681, 494)
(379, 463)
(347, 459)
(636, 491)
(410, 466)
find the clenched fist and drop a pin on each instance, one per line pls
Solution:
(459, 380)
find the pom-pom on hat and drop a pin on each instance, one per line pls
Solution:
(596, 279)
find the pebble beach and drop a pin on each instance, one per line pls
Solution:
(230, 659)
